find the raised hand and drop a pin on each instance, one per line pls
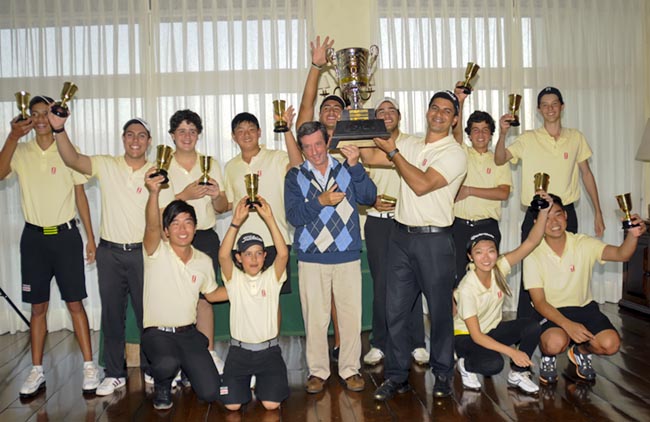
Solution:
(351, 153)
(20, 128)
(55, 121)
(241, 211)
(153, 184)
(264, 210)
(319, 51)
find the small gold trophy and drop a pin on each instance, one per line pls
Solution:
(280, 125)
(163, 160)
(205, 161)
(625, 204)
(514, 101)
(387, 199)
(541, 183)
(22, 101)
(252, 182)
(60, 108)
(470, 72)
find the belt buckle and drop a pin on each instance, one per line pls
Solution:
(51, 230)
(126, 247)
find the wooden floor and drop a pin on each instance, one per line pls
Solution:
(621, 392)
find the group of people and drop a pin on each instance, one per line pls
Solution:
(432, 231)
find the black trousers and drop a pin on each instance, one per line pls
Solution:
(525, 307)
(478, 359)
(207, 241)
(377, 233)
(169, 352)
(462, 231)
(419, 263)
(120, 274)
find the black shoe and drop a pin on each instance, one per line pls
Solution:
(389, 388)
(334, 354)
(442, 387)
(162, 399)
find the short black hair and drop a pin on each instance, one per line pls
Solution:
(556, 200)
(175, 208)
(244, 117)
(312, 127)
(185, 116)
(478, 117)
(40, 99)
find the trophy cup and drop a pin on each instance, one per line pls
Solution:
(280, 125)
(205, 161)
(514, 101)
(60, 108)
(252, 182)
(387, 199)
(470, 72)
(625, 204)
(354, 69)
(541, 183)
(22, 101)
(163, 159)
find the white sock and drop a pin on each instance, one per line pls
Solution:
(89, 364)
(39, 368)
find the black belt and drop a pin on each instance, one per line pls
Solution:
(126, 247)
(421, 229)
(50, 230)
(180, 329)
(475, 223)
(255, 347)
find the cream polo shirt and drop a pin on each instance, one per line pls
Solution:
(271, 167)
(566, 279)
(46, 184)
(482, 172)
(124, 198)
(171, 287)
(434, 208)
(474, 299)
(254, 303)
(540, 152)
(387, 179)
(205, 213)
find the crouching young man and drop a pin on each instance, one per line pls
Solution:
(254, 293)
(174, 275)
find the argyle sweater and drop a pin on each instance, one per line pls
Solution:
(327, 234)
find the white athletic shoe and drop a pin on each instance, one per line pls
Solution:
(218, 362)
(470, 379)
(148, 379)
(523, 381)
(373, 357)
(253, 382)
(91, 378)
(421, 356)
(109, 385)
(34, 383)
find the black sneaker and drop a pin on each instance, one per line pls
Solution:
(334, 354)
(582, 362)
(389, 388)
(162, 399)
(547, 370)
(442, 387)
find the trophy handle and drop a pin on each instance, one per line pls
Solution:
(372, 61)
(331, 59)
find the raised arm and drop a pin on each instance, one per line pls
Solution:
(239, 215)
(624, 252)
(318, 60)
(153, 226)
(534, 237)
(282, 255)
(458, 129)
(69, 154)
(84, 214)
(293, 150)
(18, 130)
(501, 153)
(590, 186)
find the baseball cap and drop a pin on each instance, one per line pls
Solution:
(447, 95)
(477, 238)
(333, 98)
(549, 90)
(391, 100)
(137, 120)
(247, 240)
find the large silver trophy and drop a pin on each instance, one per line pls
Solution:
(355, 68)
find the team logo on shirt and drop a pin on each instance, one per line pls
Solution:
(263, 292)
(53, 170)
(572, 268)
(566, 155)
(138, 190)
(193, 278)
(489, 170)
(499, 294)
(259, 172)
(424, 162)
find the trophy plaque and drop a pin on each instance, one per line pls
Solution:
(252, 182)
(22, 101)
(625, 204)
(280, 126)
(205, 162)
(470, 72)
(355, 68)
(163, 160)
(60, 108)
(514, 101)
(541, 183)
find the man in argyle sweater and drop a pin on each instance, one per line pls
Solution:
(321, 197)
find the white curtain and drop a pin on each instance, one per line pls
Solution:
(149, 59)
(592, 50)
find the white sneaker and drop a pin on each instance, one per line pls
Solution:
(91, 378)
(217, 361)
(523, 381)
(177, 379)
(470, 379)
(148, 379)
(253, 382)
(373, 357)
(34, 383)
(421, 356)
(109, 385)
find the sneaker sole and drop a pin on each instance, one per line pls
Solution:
(548, 381)
(163, 406)
(89, 390)
(374, 362)
(572, 359)
(516, 386)
(34, 394)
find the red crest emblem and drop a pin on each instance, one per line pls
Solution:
(572, 268)
(53, 170)
(489, 170)
(259, 173)
(138, 190)
(500, 294)
(193, 278)
(424, 162)
(566, 155)
(263, 292)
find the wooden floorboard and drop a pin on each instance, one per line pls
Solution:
(621, 391)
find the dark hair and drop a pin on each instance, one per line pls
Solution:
(556, 201)
(478, 117)
(312, 127)
(175, 208)
(185, 116)
(40, 99)
(244, 117)
(549, 90)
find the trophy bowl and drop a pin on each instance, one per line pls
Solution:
(514, 101)
(164, 155)
(470, 72)
(22, 101)
(541, 181)
(60, 108)
(625, 204)
(205, 162)
(280, 125)
(252, 183)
